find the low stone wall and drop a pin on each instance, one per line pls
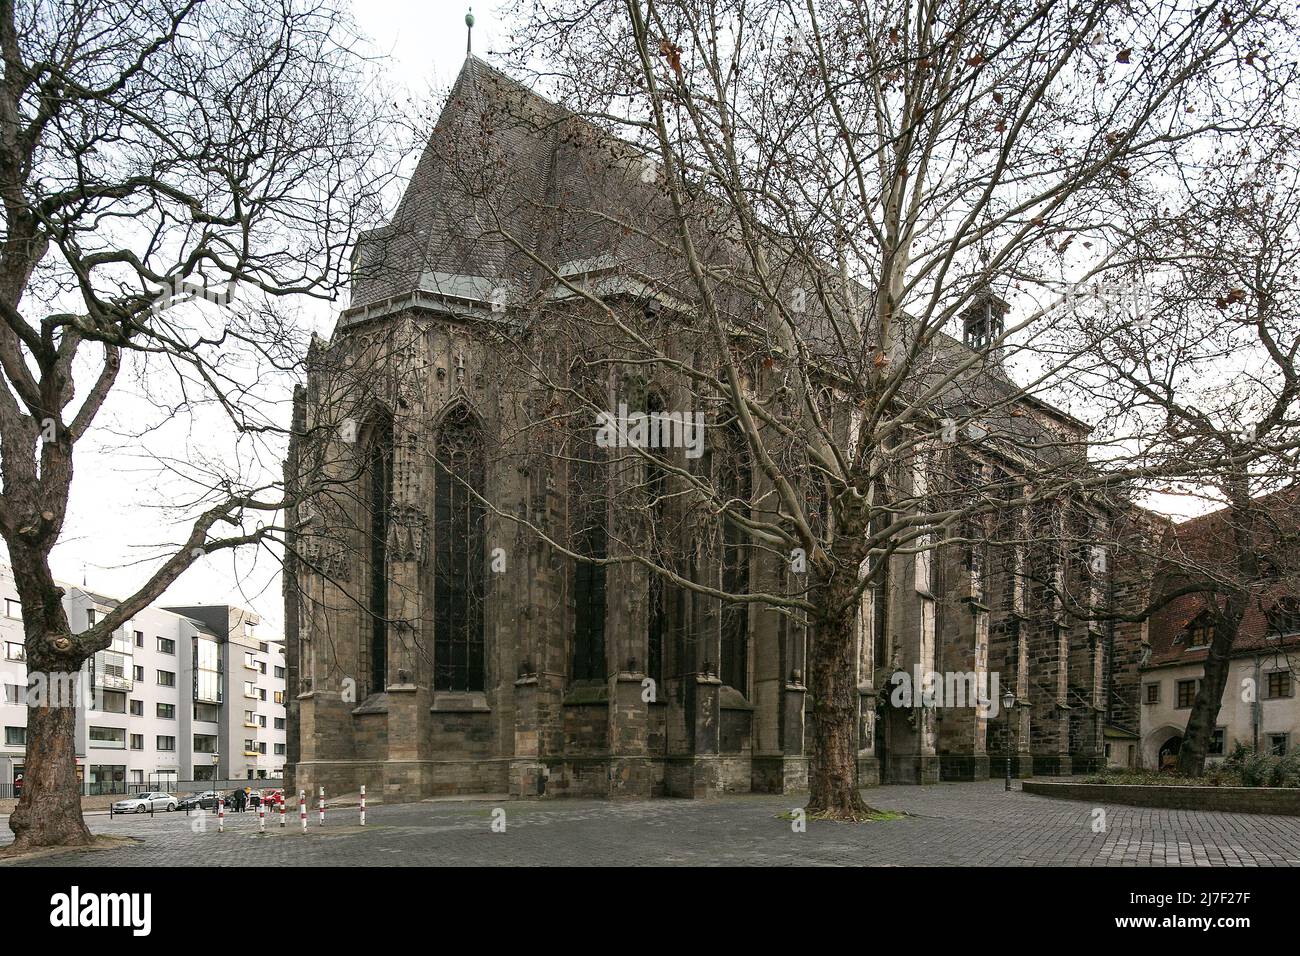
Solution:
(1278, 800)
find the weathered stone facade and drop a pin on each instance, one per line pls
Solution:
(430, 353)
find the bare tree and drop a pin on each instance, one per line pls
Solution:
(1205, 385)
(820, 192)
(152, 154)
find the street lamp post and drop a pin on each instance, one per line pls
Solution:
(1008, 704)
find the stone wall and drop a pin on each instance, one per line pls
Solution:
(1223, 799)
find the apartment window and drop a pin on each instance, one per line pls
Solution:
(261, 693)
(166, 645)
(15, 652)
(137, 708)
(166, 744)
(112, 702)
(262, 647)
(166, 679)
(167, 711)
(250, 660)
(139, 638)
(207, 712)
(205, 743)
(1153, 693)
(261, 667)
(137, 672)
(1277, 744)
(137, 741)
(250, 718)
(250, 746)
(15, 736)
(91, 616)
(13, 608)
(279, 723)
(279, 750)
(1279, 684)
(279, 696)
(261, 720)
(15, 694)
(1186, 693)
(279, 673)
(108, 737)
(250, 689)
(207, 671)
(1216, 742)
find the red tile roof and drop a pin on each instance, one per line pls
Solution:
(1204, 548)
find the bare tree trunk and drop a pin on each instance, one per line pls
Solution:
(49, 810)
(1209, 697)
(833, 760)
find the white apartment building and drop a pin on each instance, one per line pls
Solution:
(182, 694)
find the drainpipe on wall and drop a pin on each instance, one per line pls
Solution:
(1256, 707)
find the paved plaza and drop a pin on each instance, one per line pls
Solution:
(965, 824)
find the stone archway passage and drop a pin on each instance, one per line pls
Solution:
(1168, 754)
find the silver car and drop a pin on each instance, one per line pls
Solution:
(144, 801)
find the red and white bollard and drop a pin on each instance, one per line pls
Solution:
(221, 815)
(261, 816)
(281, 801)
(363, 804)
(302, 808)
(321, 822)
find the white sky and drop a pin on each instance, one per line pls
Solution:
(114, 531)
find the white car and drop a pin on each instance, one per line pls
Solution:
(144, 801)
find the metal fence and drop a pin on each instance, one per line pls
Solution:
(164, 784)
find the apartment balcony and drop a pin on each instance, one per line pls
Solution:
(112, 681)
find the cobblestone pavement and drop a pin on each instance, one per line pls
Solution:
(971, 824)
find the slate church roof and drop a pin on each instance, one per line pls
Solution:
(510, 179)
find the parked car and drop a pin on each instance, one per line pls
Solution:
(146, 800)
(207, 800)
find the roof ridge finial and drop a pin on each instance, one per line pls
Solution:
(469, 31)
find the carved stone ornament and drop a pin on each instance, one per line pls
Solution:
(408, 534)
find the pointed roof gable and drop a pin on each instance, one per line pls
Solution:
(480, 179)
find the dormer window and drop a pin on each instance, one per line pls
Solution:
(1284, 617)
(1200, 630)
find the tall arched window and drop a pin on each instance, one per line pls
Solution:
(734, 482)
(458, 658)
(588, 531)
(379, 482)
(656, 483)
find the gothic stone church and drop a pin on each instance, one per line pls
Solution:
(418, 667)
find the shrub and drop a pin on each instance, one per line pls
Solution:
(1288, 770)
(1260, 770)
